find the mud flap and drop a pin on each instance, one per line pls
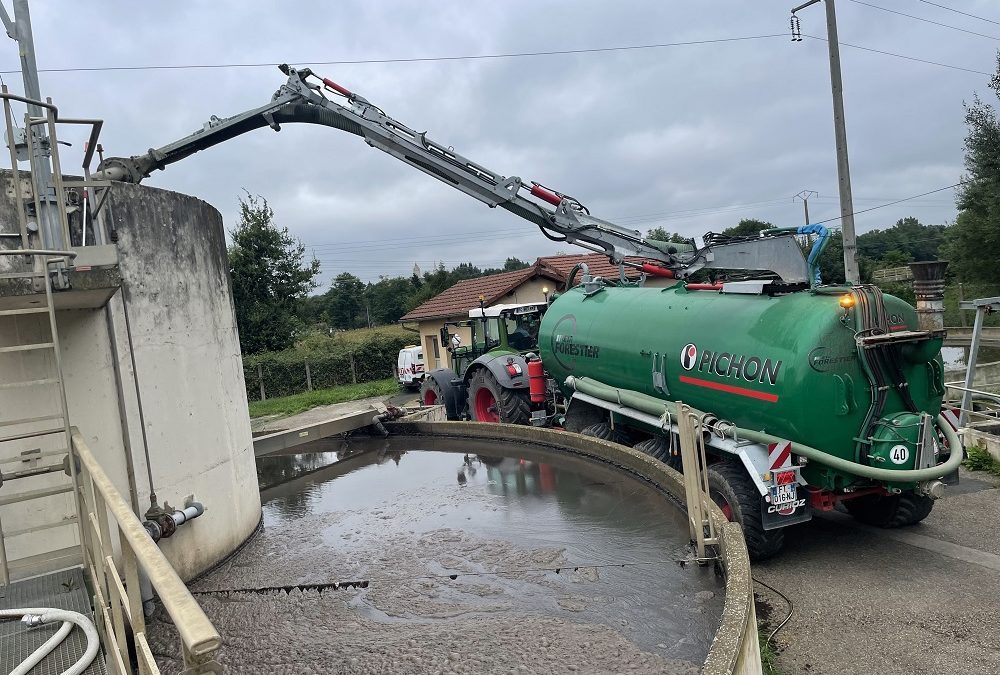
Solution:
(772, 519)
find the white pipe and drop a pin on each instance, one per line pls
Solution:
(36, 616)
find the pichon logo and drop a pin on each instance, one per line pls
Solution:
(734, 366)
(689, 356)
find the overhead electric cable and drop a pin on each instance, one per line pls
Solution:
(920, 18)
(898, 201)
(958, 11)
(900, 56)
(466, 57)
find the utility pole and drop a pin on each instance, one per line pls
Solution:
(37, 138)
(840, 130)
(805, 196)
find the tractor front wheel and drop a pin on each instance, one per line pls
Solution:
(732, 490)
(490, 402)
(432, 393)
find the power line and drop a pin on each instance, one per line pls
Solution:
(898, 201)
(958, 11)
(920, 18)
(901, 56)
(466, 57)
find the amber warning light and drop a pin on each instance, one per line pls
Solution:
(847, 301)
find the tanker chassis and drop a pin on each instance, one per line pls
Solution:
(814, 394)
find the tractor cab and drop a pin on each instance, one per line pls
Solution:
(501, 328)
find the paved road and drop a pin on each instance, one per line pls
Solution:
(923, 599)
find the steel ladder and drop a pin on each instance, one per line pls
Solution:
(52, 425)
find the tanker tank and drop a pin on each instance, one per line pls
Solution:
(842, 376)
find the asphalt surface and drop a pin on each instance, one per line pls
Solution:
(922, 599)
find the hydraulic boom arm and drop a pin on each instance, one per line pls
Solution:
(559, 216)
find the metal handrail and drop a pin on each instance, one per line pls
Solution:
(38, 251)
(118, 598)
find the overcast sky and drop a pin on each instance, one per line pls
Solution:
(692, 137)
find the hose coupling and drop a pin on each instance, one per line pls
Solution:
(934, 489)
(32, 620)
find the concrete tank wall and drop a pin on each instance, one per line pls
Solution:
(176, 288)
(179, 299)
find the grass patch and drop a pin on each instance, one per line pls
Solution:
(768, 655)
(981, 460)
(296, 403)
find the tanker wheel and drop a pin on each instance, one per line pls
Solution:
(890, 510)
(658, 447)
(581, 415)
(490, 402)
(431, 393)
(732, 490)
(605, 432)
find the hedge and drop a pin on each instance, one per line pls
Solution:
(337, 363)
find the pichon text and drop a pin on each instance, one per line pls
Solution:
(739, 367)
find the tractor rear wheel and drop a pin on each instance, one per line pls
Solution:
(605, 432)
(658, 447)
(491, 402)
(732, 490)
(890, 510)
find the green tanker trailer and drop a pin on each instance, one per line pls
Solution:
(821, 396)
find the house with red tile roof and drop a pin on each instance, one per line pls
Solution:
(532, 284)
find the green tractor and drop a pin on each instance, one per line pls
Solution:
(488, 380)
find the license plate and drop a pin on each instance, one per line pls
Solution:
(784, 494)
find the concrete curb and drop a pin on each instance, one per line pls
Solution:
(735, 649)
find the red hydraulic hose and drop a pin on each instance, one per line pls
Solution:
(704, 287)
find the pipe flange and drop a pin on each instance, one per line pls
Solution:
(167, 525)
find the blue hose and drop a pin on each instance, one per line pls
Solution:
(817, 249)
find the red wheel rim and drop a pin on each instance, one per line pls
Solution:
(486, 406)
(430, 397)
(727, 511)
(721, 502)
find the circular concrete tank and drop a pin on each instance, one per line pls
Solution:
(168, 268)
(463, 547)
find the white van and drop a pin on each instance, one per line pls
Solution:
(410, 367)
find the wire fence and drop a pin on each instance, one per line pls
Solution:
(273, 374)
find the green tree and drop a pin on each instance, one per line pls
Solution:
(660, 234)
(974, 239)
(908, 236)
(270, 276)
(748, 227)
(345, 302)
(387, 299)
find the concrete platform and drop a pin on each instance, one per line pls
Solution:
(61, 590)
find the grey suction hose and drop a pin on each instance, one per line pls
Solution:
(36, 616)
(654, 406)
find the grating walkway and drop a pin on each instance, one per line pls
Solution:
(62, 590)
